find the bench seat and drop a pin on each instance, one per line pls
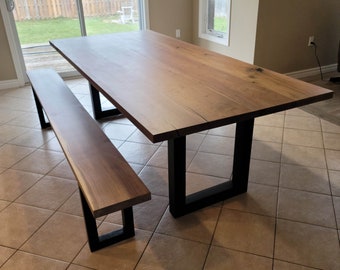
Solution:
(106, 181)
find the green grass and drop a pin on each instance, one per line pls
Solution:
(41, 31)
(220, 24)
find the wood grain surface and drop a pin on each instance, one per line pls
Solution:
(106, 179)
(169, 88)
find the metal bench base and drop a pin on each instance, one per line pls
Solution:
(97, 242)
(43, 123)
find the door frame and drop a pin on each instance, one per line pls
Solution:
(15, 48)
(16, 51)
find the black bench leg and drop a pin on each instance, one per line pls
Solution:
(97, 107)
(97, 242)
(41, 115)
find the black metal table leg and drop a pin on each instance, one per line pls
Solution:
(177, 179)
(242, 152)
(180, 204)
(97, 107)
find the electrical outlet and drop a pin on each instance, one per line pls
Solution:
(178, 33)
(310, 41)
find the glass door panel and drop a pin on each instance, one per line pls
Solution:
(39, 21)
(110, 16)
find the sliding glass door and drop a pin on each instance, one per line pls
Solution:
(38, 21)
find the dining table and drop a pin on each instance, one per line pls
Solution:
(170, 89)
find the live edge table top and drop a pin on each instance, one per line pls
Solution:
(169, 88)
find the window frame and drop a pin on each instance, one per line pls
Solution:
(203, 30)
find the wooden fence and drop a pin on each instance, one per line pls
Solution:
(48, 9)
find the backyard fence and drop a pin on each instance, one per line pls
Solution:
(48, 9)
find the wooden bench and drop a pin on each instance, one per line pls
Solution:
(106, 181)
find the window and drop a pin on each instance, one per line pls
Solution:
(214, 20)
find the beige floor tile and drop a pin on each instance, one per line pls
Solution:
(136, 167)
(160, 158)
(304, 178)
(49, 193)
(268, 151)
(85, 100)
(52, 145)
(329, 127)
(197, 182)
(267, 133)
(33, 138)
(273, 120)
(197, 226)
(166, 252)
(117, 143)
(121, 256)
(41, 161)
(306, 207)
(299, 112)
(333, 159)
(80, 86)
(11, 154)
(7, 116)
(301, 122)
(212, 164)
(308, 245)
(18, 222)
(28, 119)
(78, 267)
(3, 204)
(334, 177)
(24, 92)
(336, 201)
(121, 120)
(218, 145)
(60, 238)
(119, 131)
(13, 183)
(303, 137)
(156, 179)
(9, 102)
(259, 199)
(137, 153)
(63, 170)
(264, 172)
(5, 253)
(193, 141)
(27, 261)
(138, 137)
(225, 259)
(303, 156)
(279, 265)
(8, 133)
(245, 232)
(332, 141)
(2, 169)
(146, 215)
(73, 205)
(227, 131)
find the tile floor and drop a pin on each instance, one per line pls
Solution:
(289, 219)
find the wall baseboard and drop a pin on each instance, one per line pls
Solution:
(10, 84)
(312, 71)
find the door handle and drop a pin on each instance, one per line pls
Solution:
(10, 5)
